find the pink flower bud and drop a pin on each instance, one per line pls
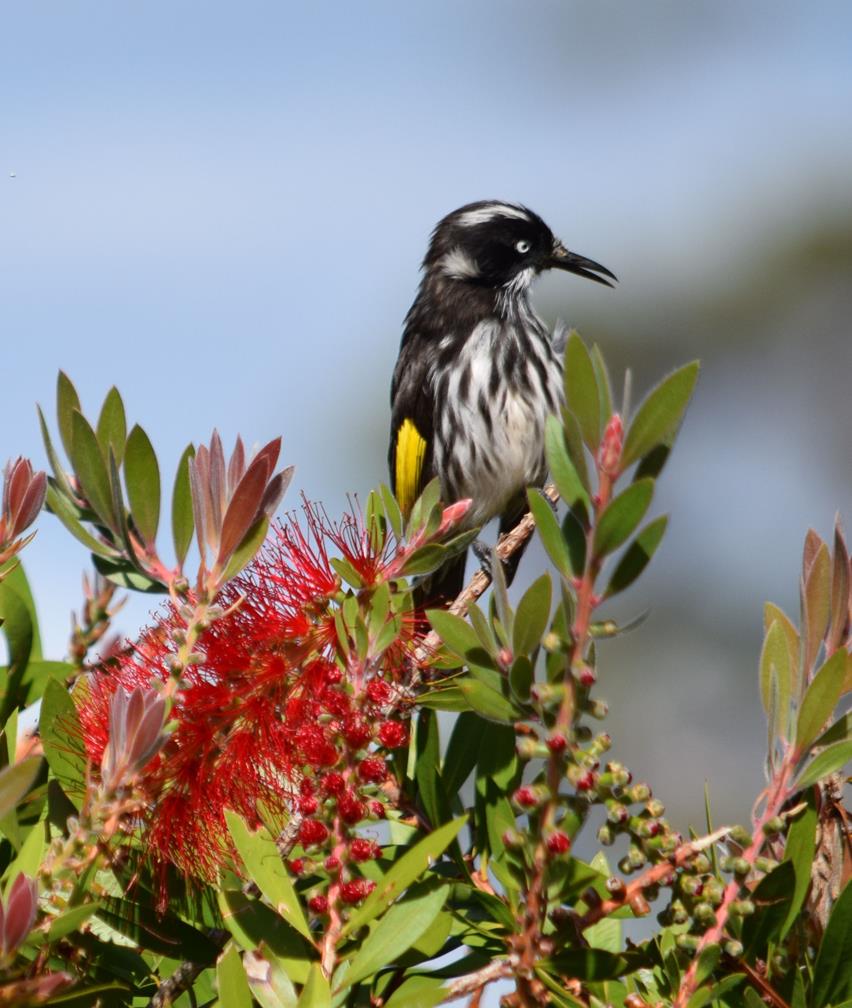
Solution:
(16, 918)
(612, 442)
(452, 515)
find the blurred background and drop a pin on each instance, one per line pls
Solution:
(222, 209)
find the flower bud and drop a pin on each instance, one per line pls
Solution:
(775, 826)
(616, 888)
(742, 908)
(733, 948)
(18, 914)
(558, 843)
(704, 914)
(612, 442)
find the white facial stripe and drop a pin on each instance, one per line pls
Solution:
(459, 265)
(487, 213)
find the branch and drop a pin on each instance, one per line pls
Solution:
(184, 976)
(500, 969)
(508, 545)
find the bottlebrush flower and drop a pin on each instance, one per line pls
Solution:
(269, 717)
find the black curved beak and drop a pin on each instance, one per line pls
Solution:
(561, 258)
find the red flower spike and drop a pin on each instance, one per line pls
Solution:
(318, 904)
(393, 734)
(312, 831)
(268, 717)
(372, 770)
(332, 863)
(351, 810)
(356, 890)
(357, 732)
(377, 810)
(525, 797)
(296, 866)
(363, 850)
(332, 784)
(379, 692)
(308, 805)
(558, 843)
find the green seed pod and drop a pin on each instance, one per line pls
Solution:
(704, 914)
(734, 948)
(687, 942)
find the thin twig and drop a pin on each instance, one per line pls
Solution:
(508, 545)
(185, 975)
(499, 969)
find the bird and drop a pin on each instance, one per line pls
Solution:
(478, 372)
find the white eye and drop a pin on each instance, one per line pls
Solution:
(522, 246)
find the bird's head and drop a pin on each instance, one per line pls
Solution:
(502, 246)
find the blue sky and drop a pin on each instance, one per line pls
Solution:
(222, 208)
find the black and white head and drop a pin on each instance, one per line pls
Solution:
(502, 247)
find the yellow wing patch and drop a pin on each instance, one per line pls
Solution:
(410, 452)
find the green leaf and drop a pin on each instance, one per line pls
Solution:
(183, 521)
(456, 633)
(142, 479)
(112, 425)
(16, 579)
(775, 659)
(231, 980)
(125, 575)
(603, 383)
(581, 390)
(549, 532)
(427, 768)
(827, 762)
(587, 964)
(16, 781)
(772, 613)
(253, 923)
(565, 476)
(521, 677)
(420, 991)
(316, 992)
(425, 560)
(263, 863)
(832, 976)
(660, 415)
(246, 551)
(397, 931)
(487, 702)
(637, 556)
(90, 468)
(799, 851)
(68, 514)
(268, 979)
(816, 603)
(820, 700)
(62, 737)
(463, 750)
(52, 457)
(404, 871)
(840, 731)
(69, 921)
(621, 516)
(772, 895)
(67, 401)
(532, 616)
